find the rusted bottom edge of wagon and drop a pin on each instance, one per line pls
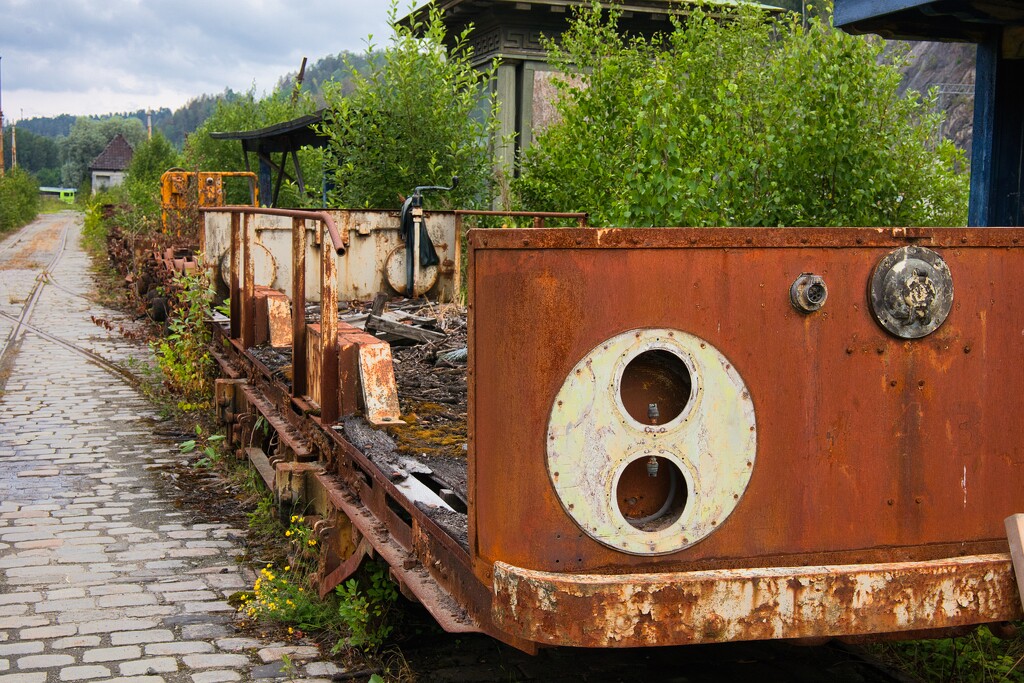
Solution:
(359, 512)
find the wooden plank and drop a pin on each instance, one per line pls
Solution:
(379, 302)
(262, 464)
(380, 324)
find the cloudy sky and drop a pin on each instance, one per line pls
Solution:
(101, 56)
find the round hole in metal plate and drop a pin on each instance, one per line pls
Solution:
(655, 387)
(651, 503)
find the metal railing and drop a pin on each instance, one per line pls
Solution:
(243, 300)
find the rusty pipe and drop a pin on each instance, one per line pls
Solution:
(340, 245)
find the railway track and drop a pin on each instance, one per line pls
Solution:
(35, 248)
(10, 345)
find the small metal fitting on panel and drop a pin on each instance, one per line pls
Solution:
(652, 467)
(911, 292)
(808, 293)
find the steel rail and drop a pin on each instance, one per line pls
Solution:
(21, 322)
(107, 365)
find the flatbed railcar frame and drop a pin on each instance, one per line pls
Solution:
(833, 477)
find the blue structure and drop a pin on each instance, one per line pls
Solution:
(997, 26)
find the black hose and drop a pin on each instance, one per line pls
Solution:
(673, 484)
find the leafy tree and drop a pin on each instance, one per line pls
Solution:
(414, 118)
(88, 138)
(740, 119)
(49, 177)
(142, 181)
(19, 199)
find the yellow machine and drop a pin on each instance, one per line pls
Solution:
(182, 193)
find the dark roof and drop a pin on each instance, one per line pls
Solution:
(453, 9)
(514, 29)
(961, 20)
(281, 137)
(116, 156)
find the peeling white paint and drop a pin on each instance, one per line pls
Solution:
(756, 603)
(963, 484)
(591, 439)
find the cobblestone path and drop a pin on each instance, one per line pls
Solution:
(101, 578)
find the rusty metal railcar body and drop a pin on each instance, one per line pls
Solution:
(815, 474)
(884, 466)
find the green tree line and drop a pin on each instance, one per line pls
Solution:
(42, 140)
(731, 117)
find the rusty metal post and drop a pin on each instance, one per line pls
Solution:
(249, 286)
(538, 221)
(298, 307)
(457, 276)
(329, 407)
(234, 294)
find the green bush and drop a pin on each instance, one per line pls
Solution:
(366, 607)
(19, 199)
(103, 210)
(738, 118)
(142, 181)
(417, 116)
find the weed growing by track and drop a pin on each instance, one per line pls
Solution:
(358, 614)
(978, 657)
(184, 353)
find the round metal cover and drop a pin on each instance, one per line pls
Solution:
(707, 445)
(911, 292)
(426, 277)
(264, 266)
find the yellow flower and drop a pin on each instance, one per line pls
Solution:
(287, 568)
(295, 518)
(312, 541)
(290, 630)
(288, 533)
